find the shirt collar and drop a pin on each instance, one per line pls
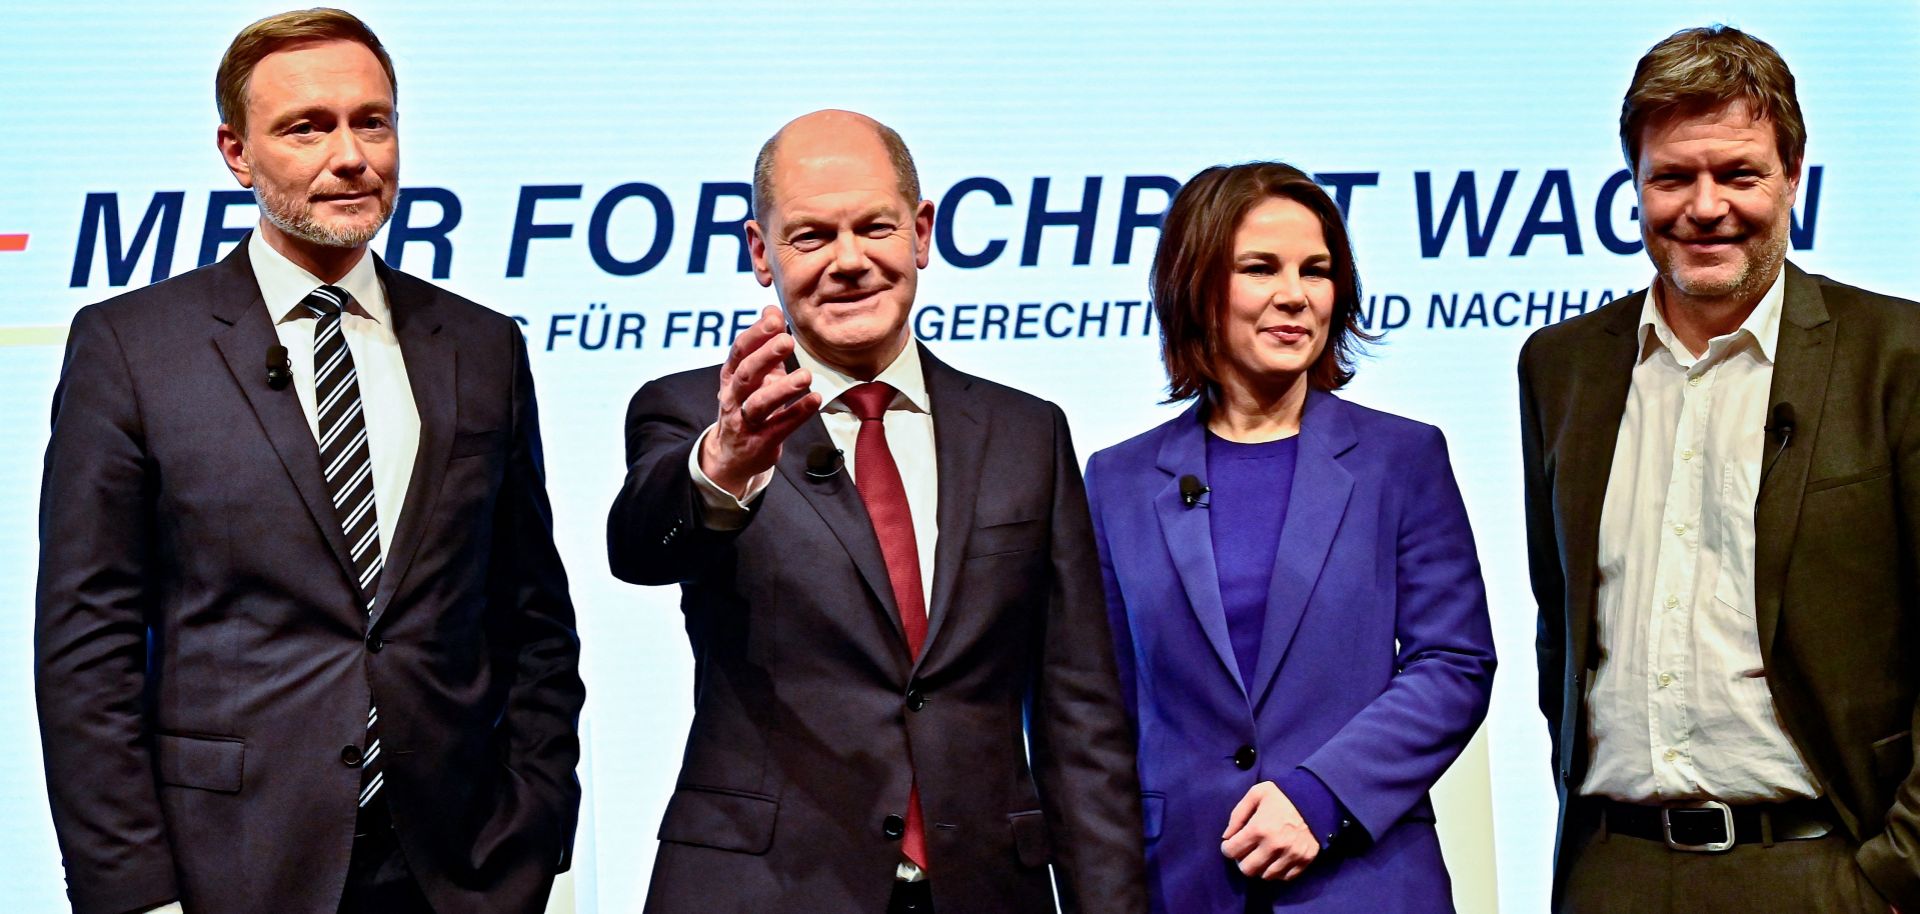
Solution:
(1762, 326)
(904, 375)
(285, 284)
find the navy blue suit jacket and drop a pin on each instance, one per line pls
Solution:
(201, 654)
(1374, 669)
(811, 719)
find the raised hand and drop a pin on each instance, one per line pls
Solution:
(1267, 837)
(761, 403)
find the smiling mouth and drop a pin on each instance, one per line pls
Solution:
(849, 298)
(1288, 334)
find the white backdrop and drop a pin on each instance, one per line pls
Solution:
(545, 145)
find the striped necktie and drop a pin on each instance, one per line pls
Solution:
(348, 467)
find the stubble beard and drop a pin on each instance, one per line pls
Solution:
(1756, 274)
(295, 218)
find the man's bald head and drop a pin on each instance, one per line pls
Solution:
(830, 132)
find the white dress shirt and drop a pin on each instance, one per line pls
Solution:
(909, 425)
(392, 418)
(1679, 707)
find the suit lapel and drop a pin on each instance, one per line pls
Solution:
(838, 504)
(960, 439)
(1803, 359)
(1582, 461)
(1316, 504)
(431, 365)
(243, 342)
(1189, 535)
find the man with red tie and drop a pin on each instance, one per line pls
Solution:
(905, 697)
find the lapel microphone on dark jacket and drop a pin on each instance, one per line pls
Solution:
(279, 368)
(1781, 427)
(823, 461)
(1191, 488)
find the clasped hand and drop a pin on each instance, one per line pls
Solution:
(761, 403)
(1267, 836)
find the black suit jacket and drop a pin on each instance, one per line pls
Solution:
(807, 707)
(1837, 569)
(201, 657)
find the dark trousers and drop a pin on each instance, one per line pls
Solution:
(1621, 874)
(911, 898)
(378, 880)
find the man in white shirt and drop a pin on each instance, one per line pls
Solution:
(1723, 487)
(890, 587)
(303, 642)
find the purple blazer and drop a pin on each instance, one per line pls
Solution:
(1374, 669)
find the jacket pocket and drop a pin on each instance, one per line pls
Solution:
(468, 445)
(1031, 843)
(1011, 536)
(727, 820)
(1153, 813)
(202, 762)
(1893, 761)
(1846, 479)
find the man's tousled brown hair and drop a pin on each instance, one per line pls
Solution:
(1698, 70)
(274, 33)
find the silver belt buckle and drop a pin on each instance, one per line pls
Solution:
(1711, 847)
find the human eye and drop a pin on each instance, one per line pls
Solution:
(808, 240)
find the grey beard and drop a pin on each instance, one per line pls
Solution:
(300, 224)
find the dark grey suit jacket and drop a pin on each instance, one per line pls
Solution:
(807, 707)
(201, 655)
(1837, 570)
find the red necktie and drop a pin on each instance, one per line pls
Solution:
(881, 490)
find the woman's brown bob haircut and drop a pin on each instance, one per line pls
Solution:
(274, 33)
(1195, 260)
(1696, 71)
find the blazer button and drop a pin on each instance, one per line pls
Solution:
(915, 700)
(350, 756)
(375, 644)
(893, 827)
(1243, 758)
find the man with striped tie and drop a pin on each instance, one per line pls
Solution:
(303, 641)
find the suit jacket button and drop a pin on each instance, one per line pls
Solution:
(1243, 758)
(915, 700)
(375, 644)
(350, 756)
(893, 827)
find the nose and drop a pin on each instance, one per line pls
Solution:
(346, 156)
(1289, 291)
(849, 255)
(1707, 205)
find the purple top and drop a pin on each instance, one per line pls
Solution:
(1250, 485)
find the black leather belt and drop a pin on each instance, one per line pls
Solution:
(1710, 826)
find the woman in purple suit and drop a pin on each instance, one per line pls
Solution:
(1296, 602)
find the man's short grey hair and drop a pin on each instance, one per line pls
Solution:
(903, 170)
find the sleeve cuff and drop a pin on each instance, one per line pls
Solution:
(722, 511)
(1321, 810)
